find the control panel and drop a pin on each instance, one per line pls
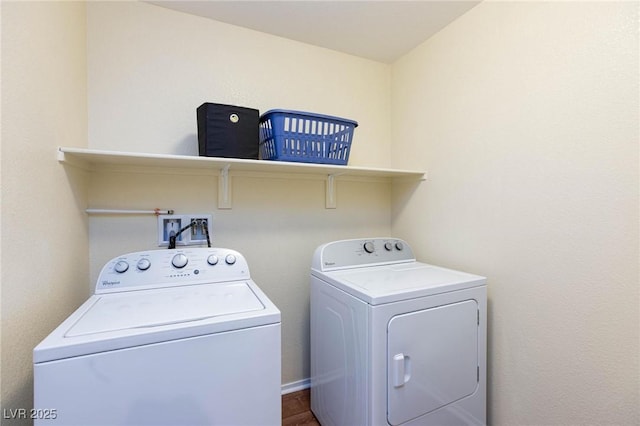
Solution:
(170, 268)
(361, 252)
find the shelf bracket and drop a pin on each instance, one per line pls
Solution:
(70, 160)
(224, 188)
(330, 191)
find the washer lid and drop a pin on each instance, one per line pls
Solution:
(128, 319)
(145, 309)
(391, 283)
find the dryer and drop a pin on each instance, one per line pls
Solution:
(170, 337)
(395, 341)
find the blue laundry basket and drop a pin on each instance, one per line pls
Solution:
(305, 137)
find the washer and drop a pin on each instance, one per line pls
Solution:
(395, 341)
(170, 337)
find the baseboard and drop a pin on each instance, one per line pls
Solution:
(296, 386)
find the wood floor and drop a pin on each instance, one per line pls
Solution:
(296, 409)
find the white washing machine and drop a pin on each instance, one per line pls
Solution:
(170, 337)
(395, 341)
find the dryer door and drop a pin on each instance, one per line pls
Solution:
(432, 359)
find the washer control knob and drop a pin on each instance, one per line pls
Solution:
(144, 264)
(212, 259)
(369, 247)
(388, 246)
(121, 266)
(230, 259)
(399, 245)
(179, 260)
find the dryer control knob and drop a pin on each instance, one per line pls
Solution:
(121, 266)
(144, 264)
(388, 246)
(399, 245)
(212, 259)
(369, 247)
(179, 260)
(230, 259)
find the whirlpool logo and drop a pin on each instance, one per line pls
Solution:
(108, 283)
(329, 263)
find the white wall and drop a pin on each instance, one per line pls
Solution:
(526, 116)
(149, 68)
(44, 232)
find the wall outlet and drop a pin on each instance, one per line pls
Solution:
(169, 225)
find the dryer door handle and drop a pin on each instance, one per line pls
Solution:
(401, 367)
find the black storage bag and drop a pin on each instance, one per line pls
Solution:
(227, 131)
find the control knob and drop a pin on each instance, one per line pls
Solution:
(212, 260)
(121, 266)
(369, 247)
(144, 264)
(399, 245)
(179, 260)
(388, 246)
(230, 259)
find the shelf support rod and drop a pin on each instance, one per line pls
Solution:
(224, 188)
(156, 212)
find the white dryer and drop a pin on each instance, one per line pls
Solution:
(170, 337)
(395, 341)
